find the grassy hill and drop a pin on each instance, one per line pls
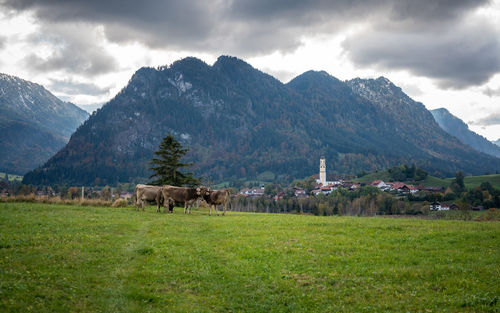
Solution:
(56, 258)
(470, 181)
(12, 177)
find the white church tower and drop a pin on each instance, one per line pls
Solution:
(322, 171)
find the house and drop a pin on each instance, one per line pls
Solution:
(126, 195)
(316, 192)
(254, 192)
(299, 192)
(404, 189)
(454, 207)
(435, 206)
(415, 188)
(354, 186)
(279, 195)
(395, 185)
(326, 190)
(380, 184)
(444, 207)
(434, 189)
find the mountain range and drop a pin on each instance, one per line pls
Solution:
(34, 124)
(238, 122)
(456, 127)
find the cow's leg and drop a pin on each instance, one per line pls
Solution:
(166, 204)
(185, 207)
(142, 203)
(159, 202)
(224, 209)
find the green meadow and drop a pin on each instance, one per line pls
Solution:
(12, 177)
(61, 258)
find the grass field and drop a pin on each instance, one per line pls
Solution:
(12, 177)
(57, 258)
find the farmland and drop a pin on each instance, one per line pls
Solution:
(60, 258)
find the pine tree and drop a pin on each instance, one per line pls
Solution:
(166, 166)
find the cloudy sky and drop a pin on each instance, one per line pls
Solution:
(444, 53)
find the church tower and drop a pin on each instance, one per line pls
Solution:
(322, 171)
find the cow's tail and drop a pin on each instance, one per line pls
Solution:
(229, 200)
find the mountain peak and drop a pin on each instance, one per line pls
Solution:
(227, 60)
(34, 123)
(314, 78)
(188, 62)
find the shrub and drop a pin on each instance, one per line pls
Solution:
(120, 203)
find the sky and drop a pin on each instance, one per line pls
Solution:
(443, 53)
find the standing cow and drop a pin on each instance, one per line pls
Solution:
(185, 195)
(150, 193)
(217, 197)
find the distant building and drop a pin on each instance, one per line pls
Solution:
(322, 171)
(322, 180)
(253, 192)
(435, 206)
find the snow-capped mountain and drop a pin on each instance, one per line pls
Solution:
(34, 124)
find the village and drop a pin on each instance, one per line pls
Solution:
(325, 187)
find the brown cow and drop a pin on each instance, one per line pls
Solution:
(148, 193)
(217, 197)
(172, 194)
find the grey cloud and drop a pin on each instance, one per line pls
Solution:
(492, 119)
(412, 90)
(466, 55)
(244, 26)
(427, 37)
(74, 50)
(71, 87)
(491, 92)
(3, 40)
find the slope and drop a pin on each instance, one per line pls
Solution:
(457, 128)
(34, 124)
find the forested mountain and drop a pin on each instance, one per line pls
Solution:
(238, 122)
(34, 124)
(456, 127)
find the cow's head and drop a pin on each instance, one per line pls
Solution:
(202, 191)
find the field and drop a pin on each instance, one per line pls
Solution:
(474, 181)
(12, 177)
(59, 258)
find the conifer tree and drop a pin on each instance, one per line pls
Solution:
(167, 164)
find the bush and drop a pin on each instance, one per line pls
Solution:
(491, 215)
(120, 203)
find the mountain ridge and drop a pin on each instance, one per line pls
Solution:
(457, 128)
(34, 124)
(238, 122)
